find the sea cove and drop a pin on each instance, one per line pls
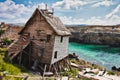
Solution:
(98, 54)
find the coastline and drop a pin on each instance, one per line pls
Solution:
(90, 70)
(97, 54)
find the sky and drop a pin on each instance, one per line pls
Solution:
(90, 12)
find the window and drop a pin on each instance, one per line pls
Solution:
(55, 55)
(42, 40)
(48, 38)
(40, 51)
(61, 40)
(38, 32)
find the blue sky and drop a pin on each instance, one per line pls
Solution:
(91, 12)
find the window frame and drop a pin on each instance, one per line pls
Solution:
(61, 39)
(55, 54)
(48, 37)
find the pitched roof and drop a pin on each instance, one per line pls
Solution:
(54, 22)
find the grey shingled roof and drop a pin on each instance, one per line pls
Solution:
(54, 22)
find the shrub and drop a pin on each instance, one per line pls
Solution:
(1, 32)
(111, 73)
(22, 68)
(73, 60)
(6, 41)
(73, 72)
(12, 78)
(3, 51)
(8, 67)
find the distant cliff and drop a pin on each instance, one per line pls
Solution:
(108, 35)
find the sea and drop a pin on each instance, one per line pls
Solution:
(103, 55)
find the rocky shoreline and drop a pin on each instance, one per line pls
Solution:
(102, 35)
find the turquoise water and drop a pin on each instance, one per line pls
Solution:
(98, 54)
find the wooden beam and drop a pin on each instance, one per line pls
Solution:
(44, 71)
(50, 67)
(20, 56)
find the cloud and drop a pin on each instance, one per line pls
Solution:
(18, 13)
(30, 2)
(116, 11)
(91, 21)
(68, 4)
(12, 12)
(103, 3)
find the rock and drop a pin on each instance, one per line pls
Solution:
(114, 68)
(104, 35)
(118, 69)
(73, 56)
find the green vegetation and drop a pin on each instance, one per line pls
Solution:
(9, 68)
(13, 78)
(72, 73)
(3, 51)
(4, 66)
(6, 41)
(87, 64)
(80, 62)
(82, 78)
(111, 73)
(10, 77)
(1, 32)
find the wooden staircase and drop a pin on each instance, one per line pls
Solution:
(17, 46)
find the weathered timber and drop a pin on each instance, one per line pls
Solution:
(44, 42)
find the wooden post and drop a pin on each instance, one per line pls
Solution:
(44, 71)
(20, 57)
(29, 53)
(55, 69)
(50, 67)
(68, 62)
(56, 74)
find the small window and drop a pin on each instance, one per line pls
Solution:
(42, 40)
(55, 55)
(40, 51)
(38, 32)
(61, 40)
(48, 38)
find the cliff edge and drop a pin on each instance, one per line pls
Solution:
(104, 35)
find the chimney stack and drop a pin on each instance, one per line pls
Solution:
(46, 6)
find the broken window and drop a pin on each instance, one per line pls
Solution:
(61, 40)
(55, 55)
(38, 32)
(40, 52)
(48, 38)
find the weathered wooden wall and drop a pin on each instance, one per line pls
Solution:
(39, 29)
(61, 48)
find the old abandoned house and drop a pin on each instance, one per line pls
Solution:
(43, 42)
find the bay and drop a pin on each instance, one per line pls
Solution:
(98, 54)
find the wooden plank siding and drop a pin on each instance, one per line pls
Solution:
(38, 33)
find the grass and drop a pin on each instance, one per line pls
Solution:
(110, 73)
(1, 32)
(72, 73)
(9, 68)
(87, 64)
(12, 78)
(7, 41)
(4, 66)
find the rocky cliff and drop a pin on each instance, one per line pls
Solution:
(108, 35)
